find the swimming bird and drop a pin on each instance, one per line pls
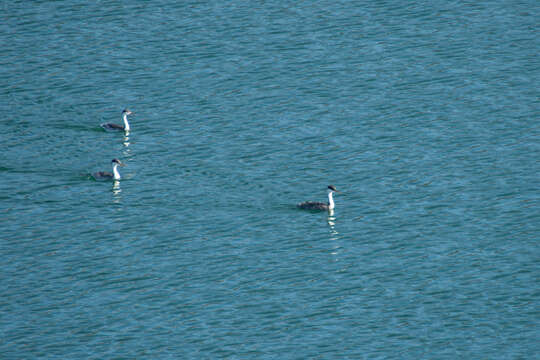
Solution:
(105, 175)
(114, 127)
(315, 205)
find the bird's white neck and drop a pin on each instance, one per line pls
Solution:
(126, 124)
(330, 200)
(115, 172)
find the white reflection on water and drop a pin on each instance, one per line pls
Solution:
(116, 190)
(334, 234)
(332, 222)
(126, 142)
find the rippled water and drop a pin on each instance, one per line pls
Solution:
(425, 116)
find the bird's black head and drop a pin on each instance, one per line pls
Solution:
(332, 187)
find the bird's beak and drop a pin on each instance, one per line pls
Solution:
(122, 164)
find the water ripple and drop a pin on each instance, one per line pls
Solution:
(423, 117)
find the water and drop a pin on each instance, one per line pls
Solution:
(425, 117)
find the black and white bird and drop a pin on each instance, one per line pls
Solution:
(105, 175)
(316, 205)
(115, 127)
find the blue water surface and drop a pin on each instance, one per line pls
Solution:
(424, 115)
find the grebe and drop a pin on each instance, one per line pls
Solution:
(113, 127)
(105, 175)
(315, 205)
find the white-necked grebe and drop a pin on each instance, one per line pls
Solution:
(115, 127)
(316, 205)
(105, 175)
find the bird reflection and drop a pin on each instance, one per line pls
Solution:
(126, 139)
(334, 234)
(332, 222)
(127, 151)
(116, 190)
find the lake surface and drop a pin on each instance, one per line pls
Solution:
(425, 116)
